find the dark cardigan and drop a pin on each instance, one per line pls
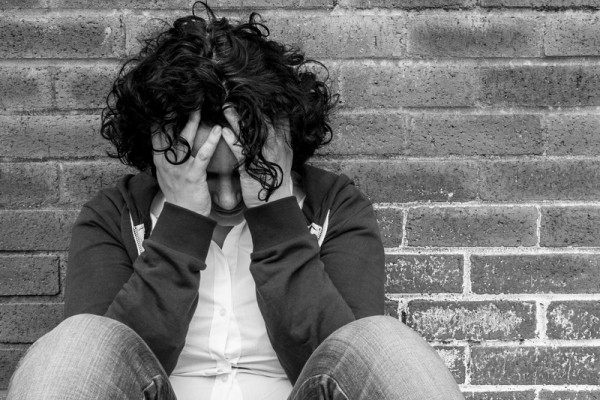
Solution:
(304, 291)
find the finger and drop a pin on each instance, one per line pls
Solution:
(232, 117)
(233, 143)
(280, 130)
(207, 149)
(159, 144)
(277, 140)
(191, 127)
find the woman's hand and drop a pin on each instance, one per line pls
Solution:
(276, 150)
(185, 184)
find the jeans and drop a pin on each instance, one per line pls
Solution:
(93, 357)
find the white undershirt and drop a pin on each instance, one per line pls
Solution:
(227, 354)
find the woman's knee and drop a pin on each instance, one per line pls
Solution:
(388, 356)
(68, 348)
(82, 353)
(378, 331)
(84, 333)
(380, 338)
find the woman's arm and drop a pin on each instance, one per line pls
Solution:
(156, 294)
(306, 292)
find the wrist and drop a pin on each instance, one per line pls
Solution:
(190, 205)
(283, 191)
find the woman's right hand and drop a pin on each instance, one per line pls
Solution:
(185, 184)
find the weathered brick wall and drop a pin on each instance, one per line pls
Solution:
(472, 124)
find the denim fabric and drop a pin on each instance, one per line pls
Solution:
(92, 357)
(89, 357)
(375, 358)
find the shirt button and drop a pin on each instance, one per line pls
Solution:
(224, 378)
(222, 312)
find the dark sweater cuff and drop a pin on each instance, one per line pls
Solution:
(184, 230)
(275, 222)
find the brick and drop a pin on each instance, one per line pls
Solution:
(356, 35)
(82, 180)
(84, 86)
(25, 88)
(36, 230)
(28, 184)
(139, 28)
(570, 395)
(9, 358)
(390, 226)
(454, 358)
(525, 180)
(367, 134)
(408, 180)
(529, 365)
(56, 136)
(16, 4)
(570, 226)
(572, 34)
(407, 84)
(252, 4)
(22, 275)
(472, 227)
(478, 320)
(462, 34)
(539, 273)
(424, 273)
(573, 320)
(132, 4)
(572, 134)
(470, 135)
(540, 85)
(508, 395)
(58, 36)
(25, 323)
(553, 4)
(408, 4)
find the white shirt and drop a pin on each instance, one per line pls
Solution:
(227, 353)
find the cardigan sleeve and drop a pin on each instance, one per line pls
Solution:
(155, 294)
(305, 292)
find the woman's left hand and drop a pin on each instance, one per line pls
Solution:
(277, 150)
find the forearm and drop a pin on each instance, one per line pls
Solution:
(300, 302)
(156, 294)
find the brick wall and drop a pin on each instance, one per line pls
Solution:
(473, 125)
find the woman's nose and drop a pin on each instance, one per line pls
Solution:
(227, 194)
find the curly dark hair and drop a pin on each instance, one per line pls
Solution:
(203, 65)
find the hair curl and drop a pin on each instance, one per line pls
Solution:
(203, 65)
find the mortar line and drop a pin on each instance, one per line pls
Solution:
(533, 343)
(467, 363)
(538, 226)
(541, 319)
(473, 158)
(478, 204)
(467, 284)
(495, 251)
(513, 388)
(516, 297)
(404, 241)
(472, 111)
